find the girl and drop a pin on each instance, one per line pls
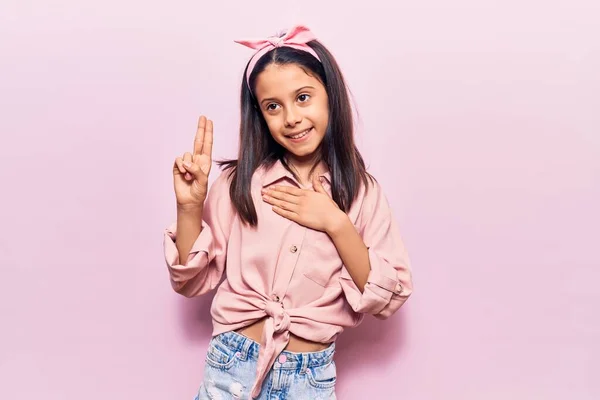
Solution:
(305, 233)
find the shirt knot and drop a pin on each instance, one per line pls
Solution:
(281, 319)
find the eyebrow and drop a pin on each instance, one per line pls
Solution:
(297, 90)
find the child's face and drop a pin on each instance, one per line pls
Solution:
(292, 102)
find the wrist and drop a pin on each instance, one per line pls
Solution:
(337, 224)
(188, 209)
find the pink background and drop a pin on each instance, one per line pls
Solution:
(480, 118)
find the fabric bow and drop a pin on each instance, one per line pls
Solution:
(296, 37)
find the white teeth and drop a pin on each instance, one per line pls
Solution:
(300, 135)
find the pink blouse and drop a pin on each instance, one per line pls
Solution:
(286, 272)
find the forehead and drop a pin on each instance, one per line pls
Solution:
(283, 80)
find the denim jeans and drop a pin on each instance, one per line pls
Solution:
(231, 369)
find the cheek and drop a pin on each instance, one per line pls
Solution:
(323, 114)
(323, 121)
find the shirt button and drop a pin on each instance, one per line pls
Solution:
(293, 249)
(399, 288)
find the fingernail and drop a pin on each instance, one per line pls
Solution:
(187, 164)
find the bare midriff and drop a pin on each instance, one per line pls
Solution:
(296, 344)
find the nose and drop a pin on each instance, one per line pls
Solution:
(292, 117)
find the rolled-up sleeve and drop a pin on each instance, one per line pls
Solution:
(206, 261)
(389, 283)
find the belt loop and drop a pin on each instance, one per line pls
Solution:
(305, 358)
(245, 348)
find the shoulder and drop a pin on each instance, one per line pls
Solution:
(223, 178)
(220, 186)
(229, 173)
(218, 205)
(371, 190)
(371, 200)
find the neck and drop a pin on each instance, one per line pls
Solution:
(302, 166)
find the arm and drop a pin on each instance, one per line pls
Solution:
(352, 249)
(376, 277)
(198, 270)
(189, 226)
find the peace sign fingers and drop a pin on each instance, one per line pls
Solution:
(204, 137)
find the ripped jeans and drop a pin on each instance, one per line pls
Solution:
(231, 369)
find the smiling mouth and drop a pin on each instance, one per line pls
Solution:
(300, 135)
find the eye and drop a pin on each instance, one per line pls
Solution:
(304, 97)
(271, 106)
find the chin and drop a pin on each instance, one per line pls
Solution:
(302, 154)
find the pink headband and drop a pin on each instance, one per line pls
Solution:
(296, 37)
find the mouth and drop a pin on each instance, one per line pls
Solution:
(300, 135)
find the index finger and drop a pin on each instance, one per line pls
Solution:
(287, 189)
(199, 139)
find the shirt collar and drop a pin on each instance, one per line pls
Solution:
(277, 171)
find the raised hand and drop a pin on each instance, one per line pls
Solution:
(190, 172)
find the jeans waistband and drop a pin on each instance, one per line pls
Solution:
(248, 349)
